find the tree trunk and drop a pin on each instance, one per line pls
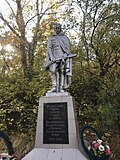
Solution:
(24, 61)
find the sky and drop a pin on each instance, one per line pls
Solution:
(4, 8)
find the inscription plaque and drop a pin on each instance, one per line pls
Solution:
(55, 123)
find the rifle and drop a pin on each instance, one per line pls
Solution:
(62, 58)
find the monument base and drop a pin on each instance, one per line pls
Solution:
(54, 154)
(57, 134)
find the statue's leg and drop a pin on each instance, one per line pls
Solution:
(54, 82)
(62, 77)
(62, 82)
(58, 81)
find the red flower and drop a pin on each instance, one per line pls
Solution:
(95, 145)
(108, 152)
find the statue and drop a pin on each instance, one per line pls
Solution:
(59, 60)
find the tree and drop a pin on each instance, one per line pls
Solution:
(26, 14)
(96, 69)
(97, 24)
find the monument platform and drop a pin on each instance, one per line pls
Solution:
(57, 134)
(54, 154)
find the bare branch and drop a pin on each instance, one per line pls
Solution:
(10, 7)
(37, 15)
(42, 14)
(19, 17)
(38, 21)
(95, 26)
(41, 6)
(7, 23)
(80, 5)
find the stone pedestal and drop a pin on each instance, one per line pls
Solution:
(57, 135)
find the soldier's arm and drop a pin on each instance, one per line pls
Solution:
(49, 49)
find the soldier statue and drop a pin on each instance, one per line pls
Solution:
(59, 60)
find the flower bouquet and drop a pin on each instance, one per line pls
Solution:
(100, 150)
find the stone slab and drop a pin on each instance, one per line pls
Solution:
(57, 94)
(54, 154)
(57, 101)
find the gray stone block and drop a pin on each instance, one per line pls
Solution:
(56, 151)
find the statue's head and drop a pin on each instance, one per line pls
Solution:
(57, 27)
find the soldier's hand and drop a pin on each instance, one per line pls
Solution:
(63, 59)
(53, 59)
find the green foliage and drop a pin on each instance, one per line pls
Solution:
(96, 72)
(19, 101)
